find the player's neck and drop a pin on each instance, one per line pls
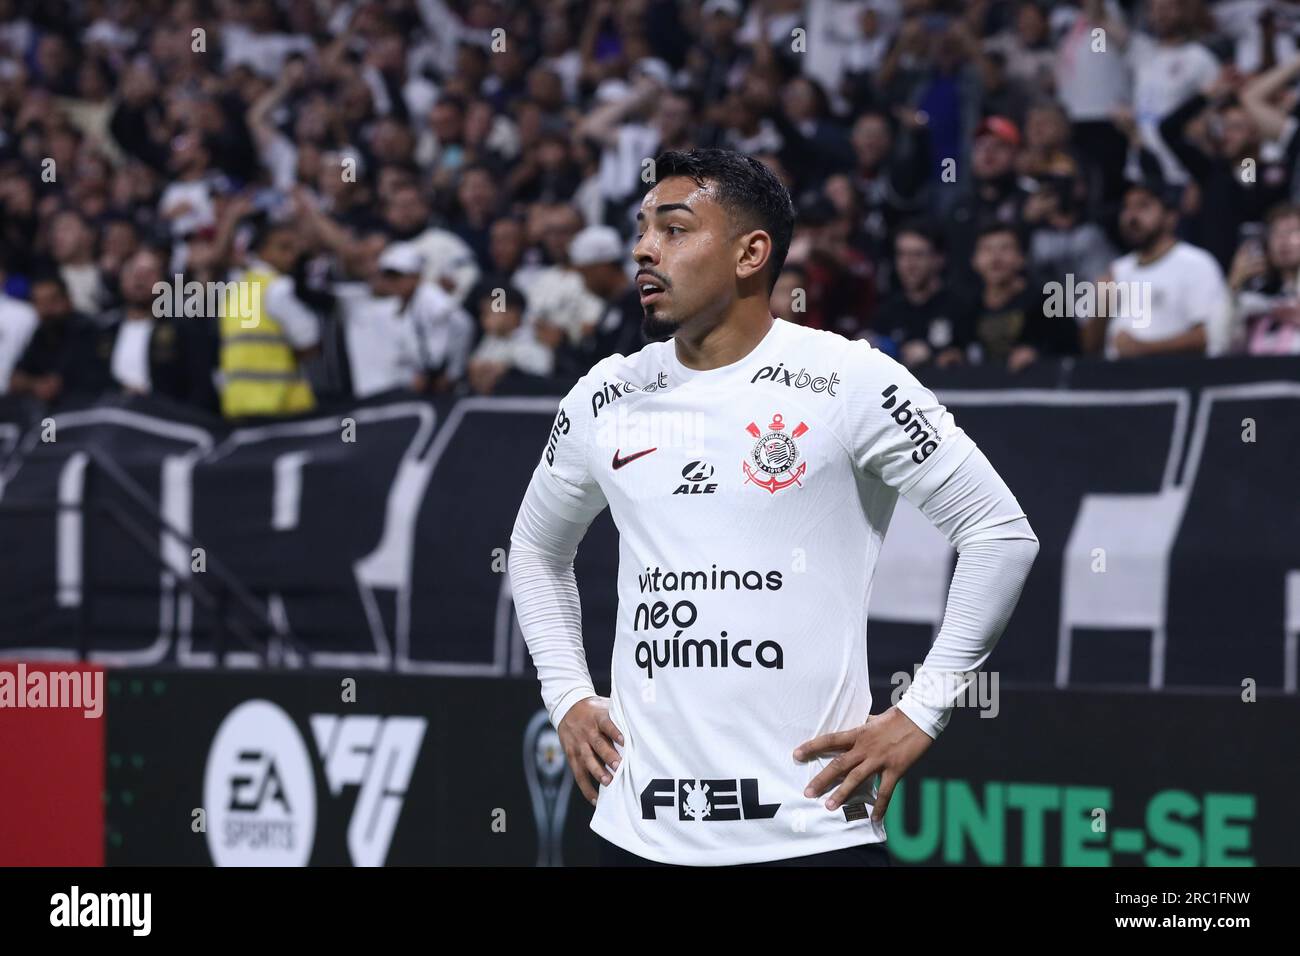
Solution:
(726, 342)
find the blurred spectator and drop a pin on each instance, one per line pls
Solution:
(630, 125)
(18, 321)
(1061, 242)
(1002, 95)
(1047, 140)
(549, 173)
(600, 257)
(1093, 80)
(841, 290)
(262, 352)
(560, 308)
(448, 260)
(508, 255)
(865, 48)
(507, 345)
(188, 201)
(1027, 47)
(889, 174)
(364, 125)
(1237, 185)
(18, 220)
(476, 202)
(401, 332)
(72, 246)
(172, 356)
(920, 320)
(1172, 295)
(714, 64)
(1169, 65)
(996, 193)
(789, 295)
(948, 93)
(61, 358)
(1259, 30)
(813, 145)
(1008, 321)
(1263, 280)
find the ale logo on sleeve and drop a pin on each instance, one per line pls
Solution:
(775, 456)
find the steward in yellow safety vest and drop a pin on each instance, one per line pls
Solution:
(265, 333)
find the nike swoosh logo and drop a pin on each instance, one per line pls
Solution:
(620, 462)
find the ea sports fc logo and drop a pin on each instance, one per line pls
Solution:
(775, 456)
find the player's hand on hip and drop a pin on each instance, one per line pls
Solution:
(588, 736)
(887, 744)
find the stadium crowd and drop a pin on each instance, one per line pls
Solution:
(438, 196)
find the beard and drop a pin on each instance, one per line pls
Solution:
(1140, 239)
(656, 329)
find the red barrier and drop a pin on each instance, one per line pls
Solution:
(52, 764)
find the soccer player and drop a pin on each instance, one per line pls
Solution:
(751, 466)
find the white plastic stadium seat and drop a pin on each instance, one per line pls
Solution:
(1137, 534)
(1291, 644)
(913, 572)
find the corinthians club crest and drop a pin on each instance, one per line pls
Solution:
(775, 456)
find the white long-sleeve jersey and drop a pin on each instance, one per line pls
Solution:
(751, 502)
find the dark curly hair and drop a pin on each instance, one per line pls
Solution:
(749, 192)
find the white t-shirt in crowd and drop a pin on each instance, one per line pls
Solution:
(130, 362)
(279, 156)
(1239, 20)
(621, 161)
(520, 350)
(85, 287)
(263, 53)
(18, 321)
(558, 295)
(383, 352)
(441, 329)
(1163, 79)
(301, 325)
(1091, 84)
(389, 344)
(1182, 289)
(197, 193)
(447, 257)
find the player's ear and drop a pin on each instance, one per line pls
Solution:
(755, 248)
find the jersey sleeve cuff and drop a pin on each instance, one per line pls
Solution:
(929, 719)
(567, 701)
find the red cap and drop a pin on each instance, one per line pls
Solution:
(1001, 127)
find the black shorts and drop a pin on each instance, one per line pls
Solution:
(865, 854)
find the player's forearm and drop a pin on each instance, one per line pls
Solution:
(985, 588)
(996, 549)
(546, 601)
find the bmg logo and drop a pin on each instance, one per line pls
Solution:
(561, 427)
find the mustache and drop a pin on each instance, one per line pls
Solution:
(662, 279)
